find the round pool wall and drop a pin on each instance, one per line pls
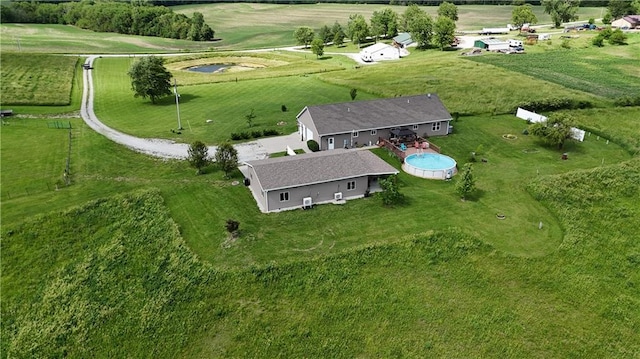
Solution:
(430, 165)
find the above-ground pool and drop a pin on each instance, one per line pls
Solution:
(430, 165)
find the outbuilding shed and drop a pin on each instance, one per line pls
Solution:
(492, 44)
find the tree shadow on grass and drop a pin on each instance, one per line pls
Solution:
(171, 100)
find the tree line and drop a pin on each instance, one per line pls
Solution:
(386, 23)
(132, 18)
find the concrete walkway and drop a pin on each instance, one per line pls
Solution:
(167, 149)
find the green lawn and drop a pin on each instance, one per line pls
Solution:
(580, 69)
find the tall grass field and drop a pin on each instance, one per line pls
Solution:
(126, 255)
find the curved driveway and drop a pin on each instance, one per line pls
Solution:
(152, 146)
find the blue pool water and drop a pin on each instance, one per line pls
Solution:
(430, 161)
(209, 68)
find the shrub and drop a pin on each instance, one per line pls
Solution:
(618, 38)
(313, 146)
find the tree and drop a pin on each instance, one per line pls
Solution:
(149, 78)
(620, 8)
(555, 131)
(561, 10)
(443, 32)
(250, 117)
(304, 35)
(466, 183)
(198, 156)
(338, 34)
(618, 37)
(447, 9)
(325, 34)
(384, 23)
(390, 191)
(358, 29)
(417, 22)
(227, 158)
(317, 47)
(353, 93)
(523, 14)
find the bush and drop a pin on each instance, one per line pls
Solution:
(271, 132)
(313, 146)
(618, 38)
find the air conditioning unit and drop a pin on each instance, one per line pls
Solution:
(307, 202)
(337, 196)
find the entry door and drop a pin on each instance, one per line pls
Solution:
(330, 142)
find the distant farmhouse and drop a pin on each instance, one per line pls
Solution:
(627, 22)
(352, 124)
(302, 181)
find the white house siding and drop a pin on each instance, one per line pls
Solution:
(320, 193)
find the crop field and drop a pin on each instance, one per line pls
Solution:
(132, 259)
(580, 69)
(37, 79)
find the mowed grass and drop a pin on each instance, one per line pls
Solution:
(600, 71)
(244, 26)
(64, 39)
(226, 104)
(131, 287)
(37, 79)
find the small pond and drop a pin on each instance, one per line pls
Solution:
(210, 68)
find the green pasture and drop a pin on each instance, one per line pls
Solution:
(37, 79)
(237, 26)
(131, 287)
(610, 72)
(244, 26)
(37, 38)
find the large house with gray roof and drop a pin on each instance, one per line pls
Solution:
(352, 124)
(305, 180)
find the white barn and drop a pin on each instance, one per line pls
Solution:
(379, 52)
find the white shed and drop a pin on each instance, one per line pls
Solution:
(378, 52)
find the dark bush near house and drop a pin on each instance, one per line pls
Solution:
(313, 146)
(271, 132)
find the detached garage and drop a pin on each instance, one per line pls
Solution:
(492, 44)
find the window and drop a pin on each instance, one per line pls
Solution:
(354, 133)
(284, 196)
(435, 126)
(415, 127)
(351, 185)
(374, 132)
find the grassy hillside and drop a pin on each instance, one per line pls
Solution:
(131, 281)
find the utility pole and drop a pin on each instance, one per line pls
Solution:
(175, 90)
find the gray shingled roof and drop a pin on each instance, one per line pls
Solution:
(317, 167)
(376, 114)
